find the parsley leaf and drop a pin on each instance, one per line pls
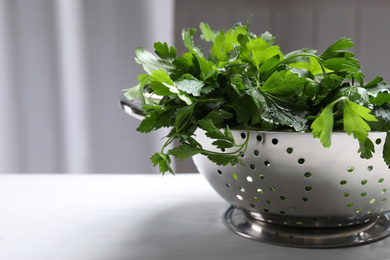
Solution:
(354, 120)
(245, 82)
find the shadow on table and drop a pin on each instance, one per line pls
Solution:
(194, 230)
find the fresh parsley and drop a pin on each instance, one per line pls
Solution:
(246, 82)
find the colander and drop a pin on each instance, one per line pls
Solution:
(294, 192)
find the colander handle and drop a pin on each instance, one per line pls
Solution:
(132, 108)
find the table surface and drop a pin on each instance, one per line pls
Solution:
(132, 217)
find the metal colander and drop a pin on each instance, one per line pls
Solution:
(292, 185)
(294, 192)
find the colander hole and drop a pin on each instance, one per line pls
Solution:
(345, 194)
(350, 169)
(305, 199)
(314, 219)
(282, 197)
(350, 205)
(260, 191)
(381, 180)
(369, 211)
(252, 166)
(266, 210)
(219, 172)
(358, 210)
(294, 208)
(282, 212)
(256, 152)
(364, 182)
(223, 150)
(239, 197)
(328, 218)
(383, 191)
(363, 194)
(275, 141)
(266, 163)
(228, 185)
(262, 176)
(289, 150)
(308, 188)
(249, 179)
(269, 202)
(299, 223)
(242, 189)
(383, 200)
(301, 161)
(369, 168)
(242, 155)
(272, 188)
(259, 138)
(252, 205)
(234, 176)
(307, 175)
(256, 198)
(372, 201)
(378, 141)
(243, 135)
(343, 182)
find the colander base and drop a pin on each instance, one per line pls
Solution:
(243, 224)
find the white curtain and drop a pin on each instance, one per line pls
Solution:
(63, 64)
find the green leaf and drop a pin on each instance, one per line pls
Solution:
(162, 84)
(134, 92)
(149, 62)
(355, 94)
(207, 34)
(190, 85)
(221, 159)
(322, 126)
(248, 107)
(184, 151)
(366, 149)
(341, 65)
(163, 161)
(382, 98)
(280, 84)
(219, 115)
(286, 113)
(221, 144)
(182, 116)
(187, 36)
(383, 113)
(374, 82)
(268, 38)
(207, 68)
(213, 132)
(386, 149)
(165, 52)
(262, 51)
(313, 66)
(337, 49)
(354, 120)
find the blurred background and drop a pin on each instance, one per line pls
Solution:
(64, 64)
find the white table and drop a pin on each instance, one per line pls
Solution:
(132, 217)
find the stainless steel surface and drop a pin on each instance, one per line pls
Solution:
(291, 180)
(243, 224)
(132, 108)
